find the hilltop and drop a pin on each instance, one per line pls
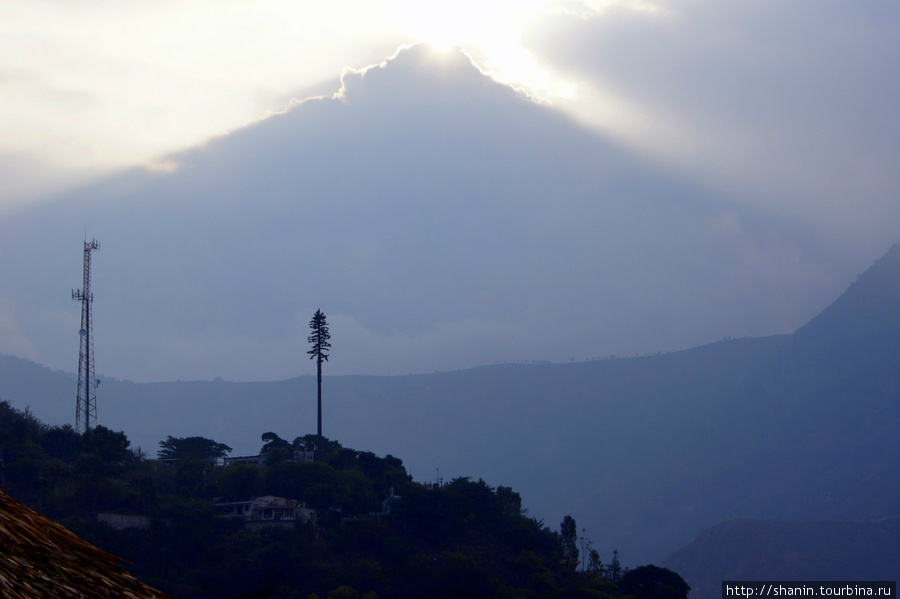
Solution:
(308, 518)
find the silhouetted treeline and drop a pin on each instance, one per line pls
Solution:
(375, 533)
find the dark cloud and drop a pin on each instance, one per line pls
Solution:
(440, 219)
(792, 106)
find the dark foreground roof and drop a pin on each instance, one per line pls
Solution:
(39, 558)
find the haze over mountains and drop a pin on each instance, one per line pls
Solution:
(444, 221)
(645, 452)
(440, 220)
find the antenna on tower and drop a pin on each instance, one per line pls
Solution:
(86, 399)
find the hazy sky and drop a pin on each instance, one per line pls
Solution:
(727, 167)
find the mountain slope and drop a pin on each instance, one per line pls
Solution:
(828, 401)
(867, 307)
(644, 452)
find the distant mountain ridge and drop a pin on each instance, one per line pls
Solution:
(647, 452)
(525, 424)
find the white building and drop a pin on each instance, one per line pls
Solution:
(267, 510)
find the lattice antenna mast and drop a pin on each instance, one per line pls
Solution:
(86, 399)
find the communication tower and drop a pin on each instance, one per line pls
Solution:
(86, 399)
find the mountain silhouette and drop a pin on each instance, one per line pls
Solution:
(645, 452)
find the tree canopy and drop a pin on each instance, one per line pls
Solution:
(319, 338)
(653, 582)
(192, 448)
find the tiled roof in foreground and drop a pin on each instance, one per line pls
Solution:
(39, 558)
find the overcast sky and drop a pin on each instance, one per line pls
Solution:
(660, 174)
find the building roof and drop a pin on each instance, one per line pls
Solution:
(40, 558)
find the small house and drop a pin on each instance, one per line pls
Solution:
(269, 509)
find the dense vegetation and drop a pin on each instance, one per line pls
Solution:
(460, 539)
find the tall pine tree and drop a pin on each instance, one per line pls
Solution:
(319, 352)
(568, 536)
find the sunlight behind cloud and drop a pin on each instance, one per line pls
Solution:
(466, 21)
(491, 33)
(711, 88)
(123, 83)
(119, 83)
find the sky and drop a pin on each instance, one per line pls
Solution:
(736, 160)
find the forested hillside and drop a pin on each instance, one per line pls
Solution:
(368, 529)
